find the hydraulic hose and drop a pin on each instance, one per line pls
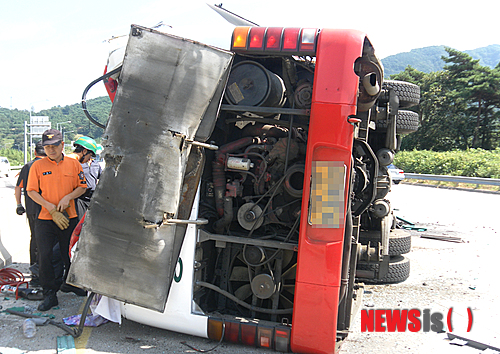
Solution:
(344, 281)
(84, 95)
(74, 332)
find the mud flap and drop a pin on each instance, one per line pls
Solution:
(165, 88)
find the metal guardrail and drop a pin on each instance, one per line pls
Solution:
(442, 178)
(454, 179)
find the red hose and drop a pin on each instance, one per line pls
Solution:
(13, 277)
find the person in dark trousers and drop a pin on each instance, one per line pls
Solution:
(54, 182)
(85, 152)
(32, 210)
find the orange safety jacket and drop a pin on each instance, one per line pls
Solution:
(54, 181)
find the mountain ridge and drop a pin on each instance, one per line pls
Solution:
(428, 59)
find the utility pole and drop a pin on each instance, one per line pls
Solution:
(25, 142)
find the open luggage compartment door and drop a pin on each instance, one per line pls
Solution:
(165, 88)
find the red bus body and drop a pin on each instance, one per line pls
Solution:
(314, 94)
(330, 139)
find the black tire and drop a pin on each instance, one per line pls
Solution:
(399, 242)
(399, 270)
(406, 122)
(408, 93)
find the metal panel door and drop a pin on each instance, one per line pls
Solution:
(165, 87)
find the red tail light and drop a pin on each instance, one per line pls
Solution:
(111, 86)
(282, 339)
(265, 337)
(273, 38)
(257, 38)
(254, 334)
(248, 334)
(291, 39)
(232, 332)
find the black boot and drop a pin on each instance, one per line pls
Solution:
(35, 281)
(49, 301)
(66, 288)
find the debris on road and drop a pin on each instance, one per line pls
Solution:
(461, 341)
(408, 225)
(443, 238)
(90, 320)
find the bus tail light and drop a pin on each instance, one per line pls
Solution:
(265, 337)
(232, 332)
(240, 36)
(214, 329)
(250, 333)
(282, 339)
(291, 39)
(111, 85)
(308, 40)
(257, 38)
(273, 38)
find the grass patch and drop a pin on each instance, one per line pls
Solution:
(466, 163)
(443, 184)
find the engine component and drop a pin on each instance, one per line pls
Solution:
(227, 216)
(294, 180)
(385, 157)
(367, 162)
(371, 76)
(263, 286)
(303, 94)
(249, 216)
(253, 255)
(381, 208)
(251, 84)
(239, 163)
(361, 179)
(219, 177)
(383, 182)
(370, 84)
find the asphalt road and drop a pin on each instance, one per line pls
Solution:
(443, 275)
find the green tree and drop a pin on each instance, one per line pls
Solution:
(479, 88)
(459, 106)
(12, 123)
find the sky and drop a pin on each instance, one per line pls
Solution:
(51, 50)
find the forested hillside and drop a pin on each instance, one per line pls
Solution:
(12, 121)
(428, 59)
(459, 106)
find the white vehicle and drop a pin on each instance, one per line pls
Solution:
(397, 174)
(4, 166)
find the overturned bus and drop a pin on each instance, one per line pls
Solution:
(245, 192)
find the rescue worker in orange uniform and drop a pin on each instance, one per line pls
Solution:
(54, 182)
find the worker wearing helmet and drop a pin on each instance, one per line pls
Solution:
(85, 151)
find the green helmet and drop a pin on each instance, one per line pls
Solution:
(87, 143)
